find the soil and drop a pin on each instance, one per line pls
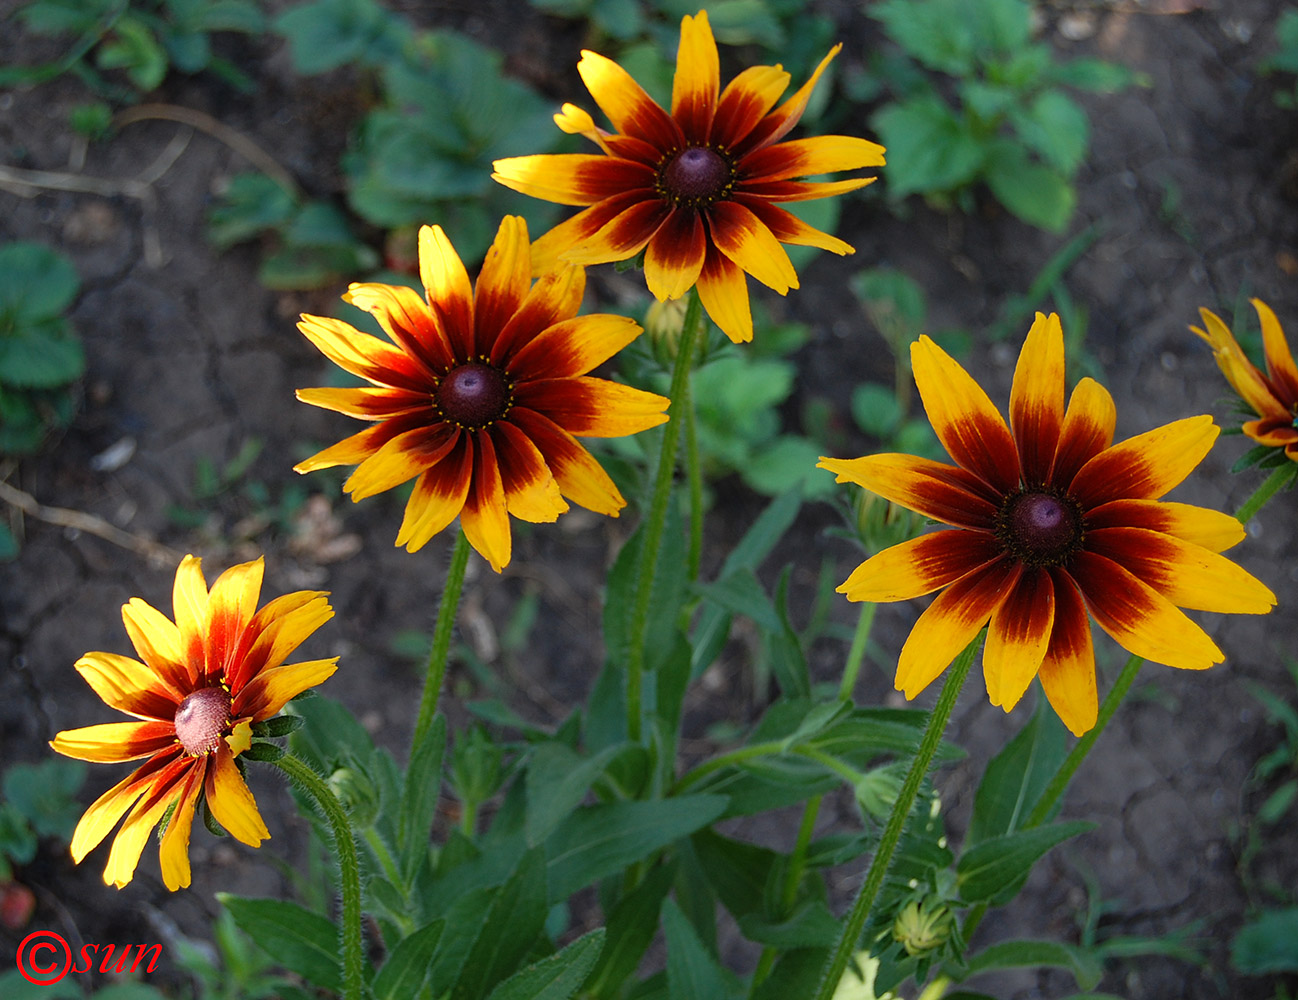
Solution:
(1190, 183)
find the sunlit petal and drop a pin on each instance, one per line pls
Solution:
(531, 492)
(157, 641)
(581, 479)
(1086, 431)
(1210, 528)
(723, 290)
(746, 99)
(1018, 636)
(272, 689)
(1068, 671)
(1146, 466)
(821, 154)
(628, 107)
(675, 254)
(573, 347)
(1241, 373)
(129, 686)
(437, 498)
(698, 78)
(485, 518)
(406, 318)
(556, 296)
(594, 407)
(920, 566)
(231, 803)
(1037, 398)
(740, 235)
(447, 284)
(115, 741)
(1280, 367)
(943, 492)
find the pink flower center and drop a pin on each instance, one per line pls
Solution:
(201, 720)
(1040, 529)
(696, 176)
(474, 395)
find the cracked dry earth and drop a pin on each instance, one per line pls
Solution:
(1189, 180)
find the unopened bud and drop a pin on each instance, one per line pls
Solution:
(881, 524)
(357, 794)
(922, 927)
(663, 323)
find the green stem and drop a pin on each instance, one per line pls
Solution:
(882, 860)
(651, 539)
(1270, 486)
(792, 879)
(441, 639)
(767, 749)
(856, 654)
(1078, 754)
(348, 864)
(694, 475)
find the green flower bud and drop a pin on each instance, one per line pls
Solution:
(357, 795)
(663, 323)
(881, 524)
(923, 926)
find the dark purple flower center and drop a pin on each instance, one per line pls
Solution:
(201, 720)
(474, 395)
(1040, 529)
(696, 176)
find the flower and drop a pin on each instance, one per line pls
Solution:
(1273, 396)
(1051, 520)
(204, 680)
(482, 394)
(695, 189)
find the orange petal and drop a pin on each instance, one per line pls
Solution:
(943, 492)
(951, 622)
(963, 418)
(366, 402)
(1037, 398)
(272, 689)
(276, 630)
(437, 498)
(740, 235)
(531, 492)
(485, 518)
(1272, 431)
(231, 803)
(1280, 365)
(675, 254)
(573, 178)
(572, 347)
(361, 445)
(624, 236)
(114, 741)
(173, 851)
(406, 318)
(920, 566)
(106, 810)
(1139, 618)
(800, 190)
(503, 282)
(157, 640)
(821, 154)
(548, 251)
(1210, 528)
(1068, 671)
(697, 83)
(581, 479)
(594, 407)
(745, 101)
(723, 290)
(1146, 466)
(788, 228)
(1240, 372)
(449, 294)
(363, 355)
(777, 124)
(140, 821)
(129, 686)
(1087, 430)
(230, 608)
(401, 459)
(555, 297)
(189, 605)
(1188, 575)
(628, 107)
(1017, 638)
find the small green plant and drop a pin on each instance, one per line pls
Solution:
(38, 800)
(143, 40)
(1285, 58)
(1011, 125)
(40, 354)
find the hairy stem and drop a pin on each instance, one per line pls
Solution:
(441, 639)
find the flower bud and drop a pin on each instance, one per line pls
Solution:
(663, 323)
(922, 927)
(881, 524)
(357, 794)
(876, 791)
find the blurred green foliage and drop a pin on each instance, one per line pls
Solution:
(1285, 57)
(38, 800)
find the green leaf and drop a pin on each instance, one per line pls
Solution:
(989, 868)
(557, 782)
(17, 840)
(45, 794)
(936, 33)
(1038, 195)
(420, 789)
(876, 410)
(632, 925)
(810, 926)
(1016, 777)
(464, 920)
(513, 923)
(601, 840)
(331, 33)
(738, 871)
(692, 973)
(1084, 965)
(1267, 943)
(1054, 126)
(788, 660)
(1092, 74)
(136, 50)
(930, 150)
(301, 941)
(782, 464)
(556, 977)
(250, 205)
(41, 357)
(408, 963)
(36, 284)
(8, 543)
(741, 593)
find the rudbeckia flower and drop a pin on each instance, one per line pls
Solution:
(696, 189)
(1273, 396)
(1051, 521)
(482, 394)
(205, 678)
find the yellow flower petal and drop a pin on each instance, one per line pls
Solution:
(129, 686)
(231, 803)
(1037, 398)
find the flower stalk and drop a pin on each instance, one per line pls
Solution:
(442, 639)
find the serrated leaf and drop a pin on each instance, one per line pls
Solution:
(556, 977)
(408, 963)
(930, 150)
(998, 863)
(601, 840)
(1085, 966)
(936, 33)
(1037, 194)
(301, 941)
(1055, 126)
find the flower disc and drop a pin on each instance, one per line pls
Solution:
(696, 176)
(473, 395)
(201, 719)
(1041, 529)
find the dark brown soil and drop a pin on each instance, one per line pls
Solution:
(1189, 180)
